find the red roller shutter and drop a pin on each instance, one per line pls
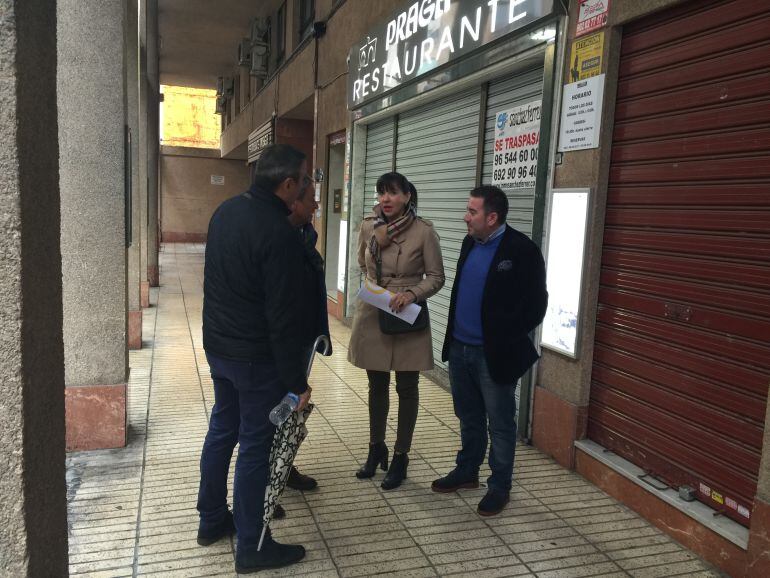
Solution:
(682, 359)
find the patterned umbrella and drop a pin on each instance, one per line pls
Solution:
(286, 441)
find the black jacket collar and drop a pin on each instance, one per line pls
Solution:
(260, 191)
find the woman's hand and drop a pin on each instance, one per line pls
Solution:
(401, 300)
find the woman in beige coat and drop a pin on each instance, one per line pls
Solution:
(408, 250)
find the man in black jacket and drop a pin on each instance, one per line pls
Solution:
(498, 298)
(256, 323)
(301, 217)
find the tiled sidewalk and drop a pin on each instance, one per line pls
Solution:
(132, 511)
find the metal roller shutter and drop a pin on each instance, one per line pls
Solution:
(379, 158)
(436, 150)
(503, 95)
(682, 358)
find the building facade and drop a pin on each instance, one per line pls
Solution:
(648, 192)
(630, 135)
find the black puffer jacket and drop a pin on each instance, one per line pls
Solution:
(257, 286)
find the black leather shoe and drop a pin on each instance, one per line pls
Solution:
(378, 456)
(279, 513)
(454, 481)
(493, 503)
(212, 535)
(396, 472)
(272, 555)
(299, 481)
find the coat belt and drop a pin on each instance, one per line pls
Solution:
(401, 281)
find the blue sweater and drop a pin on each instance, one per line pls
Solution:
(467, 327)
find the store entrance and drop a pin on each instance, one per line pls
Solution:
(335, 239)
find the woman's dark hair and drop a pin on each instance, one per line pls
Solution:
(495, 201)
(393, 181)
(278, 163)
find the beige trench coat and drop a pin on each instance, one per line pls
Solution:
(412, 261)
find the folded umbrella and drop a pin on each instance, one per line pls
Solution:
(286, 441)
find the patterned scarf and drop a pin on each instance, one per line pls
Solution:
(385, 232)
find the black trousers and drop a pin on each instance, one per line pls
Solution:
(379, 405)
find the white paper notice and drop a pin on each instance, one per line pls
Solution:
(375, 295)
(581, 114)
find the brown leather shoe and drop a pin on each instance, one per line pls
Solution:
(454, 481)
(301, 482)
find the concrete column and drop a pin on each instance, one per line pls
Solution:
(560, 412)
(132, 119)
(144, 284)
(91, 105)
(33, 517)
(153, 143)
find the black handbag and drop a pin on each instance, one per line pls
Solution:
(392, 325)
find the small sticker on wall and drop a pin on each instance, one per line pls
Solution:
(704, 489)
(717, 497)
(730, 503)
(744, 511)
(218, 180)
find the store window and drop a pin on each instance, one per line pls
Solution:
(306, 17)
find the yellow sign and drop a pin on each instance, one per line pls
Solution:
(586, 58)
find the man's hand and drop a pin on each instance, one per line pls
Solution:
(401, 300)
(304, 398)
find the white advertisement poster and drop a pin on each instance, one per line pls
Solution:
(517, 136)
(581, 114)
(564, 266)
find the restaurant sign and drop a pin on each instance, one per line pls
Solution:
(426, 34)
(259, 140)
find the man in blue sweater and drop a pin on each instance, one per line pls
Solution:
(498, 298)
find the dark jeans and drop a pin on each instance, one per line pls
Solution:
(476, 397)
(379, 405)
(244, 394)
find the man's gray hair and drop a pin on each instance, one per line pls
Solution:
(277, 163)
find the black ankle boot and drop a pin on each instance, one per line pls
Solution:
(378, 456)
(396, 472)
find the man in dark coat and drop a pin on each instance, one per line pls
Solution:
(498, 298)
(256, 305)
(301, 217)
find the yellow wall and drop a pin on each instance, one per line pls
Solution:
(188, 117)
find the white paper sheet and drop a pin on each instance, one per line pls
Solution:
(375, 295)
